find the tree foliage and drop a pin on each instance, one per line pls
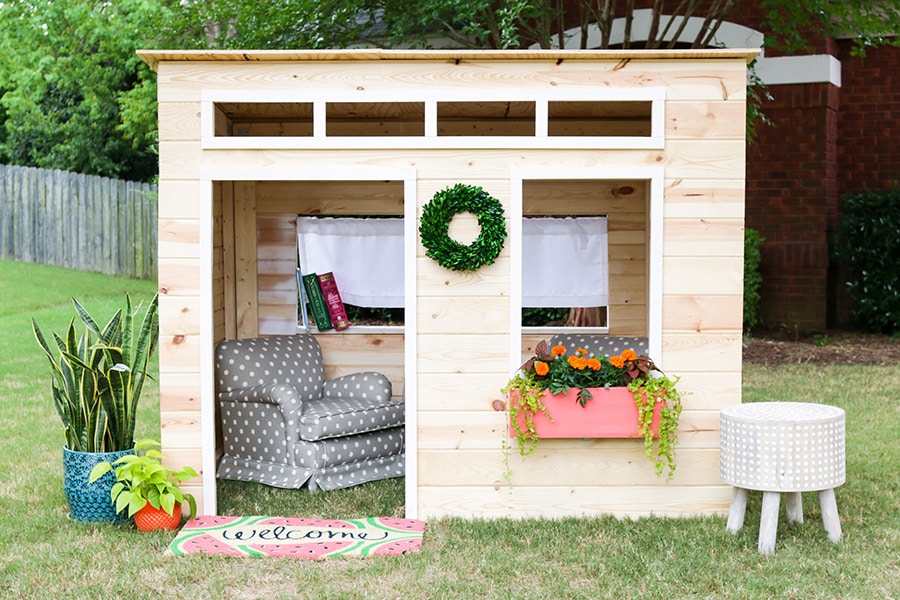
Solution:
(74, 94)
(512, 24)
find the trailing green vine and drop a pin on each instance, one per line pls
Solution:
(434, 228)
(647, 393)
(522, 411)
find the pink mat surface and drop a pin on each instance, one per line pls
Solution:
(297, 537)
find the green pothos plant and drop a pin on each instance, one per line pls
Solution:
(554, 371)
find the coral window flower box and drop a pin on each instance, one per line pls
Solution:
(610, 413)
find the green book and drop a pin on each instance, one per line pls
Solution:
(317, 305)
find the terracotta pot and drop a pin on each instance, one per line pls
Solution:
(151, 519)
(610, 413)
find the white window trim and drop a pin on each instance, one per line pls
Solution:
(654, 175)
(320, 141)
(207, 330)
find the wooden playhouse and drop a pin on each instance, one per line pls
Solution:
(652, 140)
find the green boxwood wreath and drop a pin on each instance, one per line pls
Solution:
(435, 224)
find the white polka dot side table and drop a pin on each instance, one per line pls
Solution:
(783, 447)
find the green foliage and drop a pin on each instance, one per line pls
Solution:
(647, 394)
(97, 377)
(541, 316)
(524, 403)
(868, 246)
(365, 315)
(752, 277)
(141, 478)
(434, 228)
(65, 67)
(792, 24)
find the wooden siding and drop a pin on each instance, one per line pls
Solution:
(463, 328)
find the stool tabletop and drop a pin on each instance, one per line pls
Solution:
(781, 412)
(783, 446)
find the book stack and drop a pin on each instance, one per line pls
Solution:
(325, 302)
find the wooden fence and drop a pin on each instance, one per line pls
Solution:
(78, 221)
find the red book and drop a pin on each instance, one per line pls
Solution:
(333, 301)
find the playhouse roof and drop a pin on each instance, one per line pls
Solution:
(154, 57)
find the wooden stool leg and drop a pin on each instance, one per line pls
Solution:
(768, 522)
(793, 503)
(737, 510)
(830, 517)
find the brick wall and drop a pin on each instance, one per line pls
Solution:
(868, 139)
(791, 198)
(869, 123)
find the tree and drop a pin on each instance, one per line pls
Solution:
(520, 23)
(75, 95)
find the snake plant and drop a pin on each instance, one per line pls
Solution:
(97, 377)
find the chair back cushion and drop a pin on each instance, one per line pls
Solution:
(596, 345)
(294, 360)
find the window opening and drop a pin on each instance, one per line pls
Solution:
(565, 279)
(263, 119)
(503, 118)
(374, 119)
(365, 254)
(599, 118)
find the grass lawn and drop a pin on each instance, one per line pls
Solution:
(44, 555)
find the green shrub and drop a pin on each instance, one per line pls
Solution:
(752, 278)
(868, 246)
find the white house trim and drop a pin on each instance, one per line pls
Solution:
(815, 68)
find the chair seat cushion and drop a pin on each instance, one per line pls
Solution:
(329, 418)
(347, 450)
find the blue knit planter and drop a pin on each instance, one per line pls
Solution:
(90, 502)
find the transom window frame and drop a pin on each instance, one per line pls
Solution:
(430, 98)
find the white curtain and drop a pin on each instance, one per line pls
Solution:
(365, 255)
(565, 262)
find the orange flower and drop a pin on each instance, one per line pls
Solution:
(593, 364)
(541, 368)
(581, 351)
(629, 355)
(576, 362)
(617, 361)
(558, 350)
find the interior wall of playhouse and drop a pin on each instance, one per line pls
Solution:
(241, 158)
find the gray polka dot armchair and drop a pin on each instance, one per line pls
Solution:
(285, 425)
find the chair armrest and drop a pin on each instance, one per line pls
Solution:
(368, 385)
(284, 396)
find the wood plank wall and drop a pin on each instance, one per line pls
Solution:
(463, 329)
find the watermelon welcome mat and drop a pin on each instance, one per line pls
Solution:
(297, 537)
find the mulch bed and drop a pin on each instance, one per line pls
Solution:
(771, 348)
